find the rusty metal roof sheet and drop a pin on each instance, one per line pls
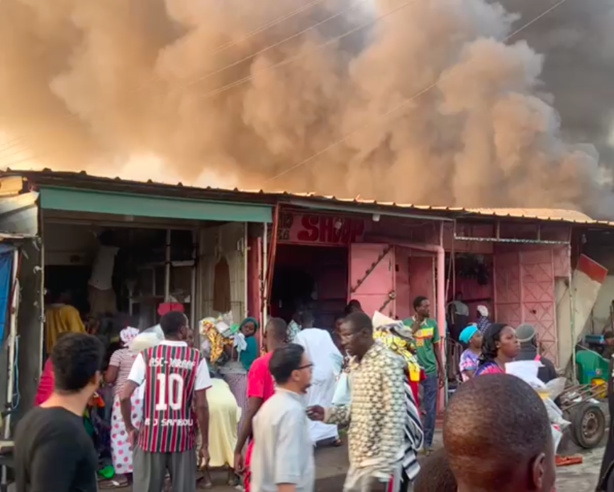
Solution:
(542, 214)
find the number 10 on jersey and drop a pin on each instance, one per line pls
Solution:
(170, 392)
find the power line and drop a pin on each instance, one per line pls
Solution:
(278, 43)
(286, 61)
(402, 104)
(278, 20)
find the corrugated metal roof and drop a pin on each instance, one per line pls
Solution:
(542, 214)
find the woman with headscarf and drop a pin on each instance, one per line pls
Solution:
(499, 347)
(117, 374)
(483, 321)
(234, 370)
(470, 358)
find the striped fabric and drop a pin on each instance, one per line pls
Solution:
(414, 439)
(168, 424)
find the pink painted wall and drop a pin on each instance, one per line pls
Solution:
(471, 289)
(373, 290)
(524, 290)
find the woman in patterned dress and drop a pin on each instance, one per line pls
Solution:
(499, 347)
(117, 374)
(470, 358)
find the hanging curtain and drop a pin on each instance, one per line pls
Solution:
(6, 263)
(221, 286)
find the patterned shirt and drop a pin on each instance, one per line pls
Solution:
(469, 361)
(123, 359)
(377, 412)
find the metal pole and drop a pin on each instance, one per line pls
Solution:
(193, 283)
(167, 267)
(13, 306)
(263, 280)
(572, 319)
(245, 271)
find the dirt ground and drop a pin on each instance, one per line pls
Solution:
(332, 463)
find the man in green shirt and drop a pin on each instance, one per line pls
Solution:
(426, 335)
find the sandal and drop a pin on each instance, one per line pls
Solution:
(113, 484)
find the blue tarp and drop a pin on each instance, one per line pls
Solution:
(6, 261)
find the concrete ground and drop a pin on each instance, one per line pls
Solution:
(331, 465)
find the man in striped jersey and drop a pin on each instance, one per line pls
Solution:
(173, 374)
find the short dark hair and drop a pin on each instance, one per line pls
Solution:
(419, 300)
(75, 359)
(353, 306)
(359, 321)
(284, 361)
(435, 474)
(608, 334)
(307, 318)
(486, 437)
(172, 322)
(277, 328)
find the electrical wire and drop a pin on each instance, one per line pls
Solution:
(278, 43)
(278, 20)
(286, 61)
(400, 106)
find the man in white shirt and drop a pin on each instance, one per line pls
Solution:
(282, 459)
(327, 362)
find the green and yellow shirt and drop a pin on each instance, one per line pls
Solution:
(425, 337)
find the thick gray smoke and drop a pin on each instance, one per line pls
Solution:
(170, 90)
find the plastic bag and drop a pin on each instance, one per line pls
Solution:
(147, 339)
(555, 415)
(557, 435)
(342, 390)
(556, 387)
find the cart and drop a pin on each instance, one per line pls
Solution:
(581, 405)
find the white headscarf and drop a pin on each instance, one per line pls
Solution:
(128, 334)
(483, 310)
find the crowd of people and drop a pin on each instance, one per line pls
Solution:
(262, 415)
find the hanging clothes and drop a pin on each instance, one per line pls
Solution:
(6, 264)
(221, 286)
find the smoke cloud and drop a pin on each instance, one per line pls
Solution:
(227, 94)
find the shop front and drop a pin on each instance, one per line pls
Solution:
(123, 253)
(325, 259)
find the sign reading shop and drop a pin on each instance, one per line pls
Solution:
(319, 229)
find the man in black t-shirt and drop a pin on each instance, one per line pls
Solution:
(53, 452)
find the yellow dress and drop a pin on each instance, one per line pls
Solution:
(61, 318)
(224, 415)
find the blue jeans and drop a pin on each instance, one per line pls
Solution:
(430, 386)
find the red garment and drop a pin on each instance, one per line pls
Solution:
(45, 385)
(167, 307)
(260, 384)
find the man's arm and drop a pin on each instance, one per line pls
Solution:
(203, 383)
(286, 487)
(436, 349)
(337, 414)
(393, 418)
(253, 405)
(202, 415)
(135, 379)
(256, 382)
(125, 404)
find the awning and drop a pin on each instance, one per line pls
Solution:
(140, 205)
